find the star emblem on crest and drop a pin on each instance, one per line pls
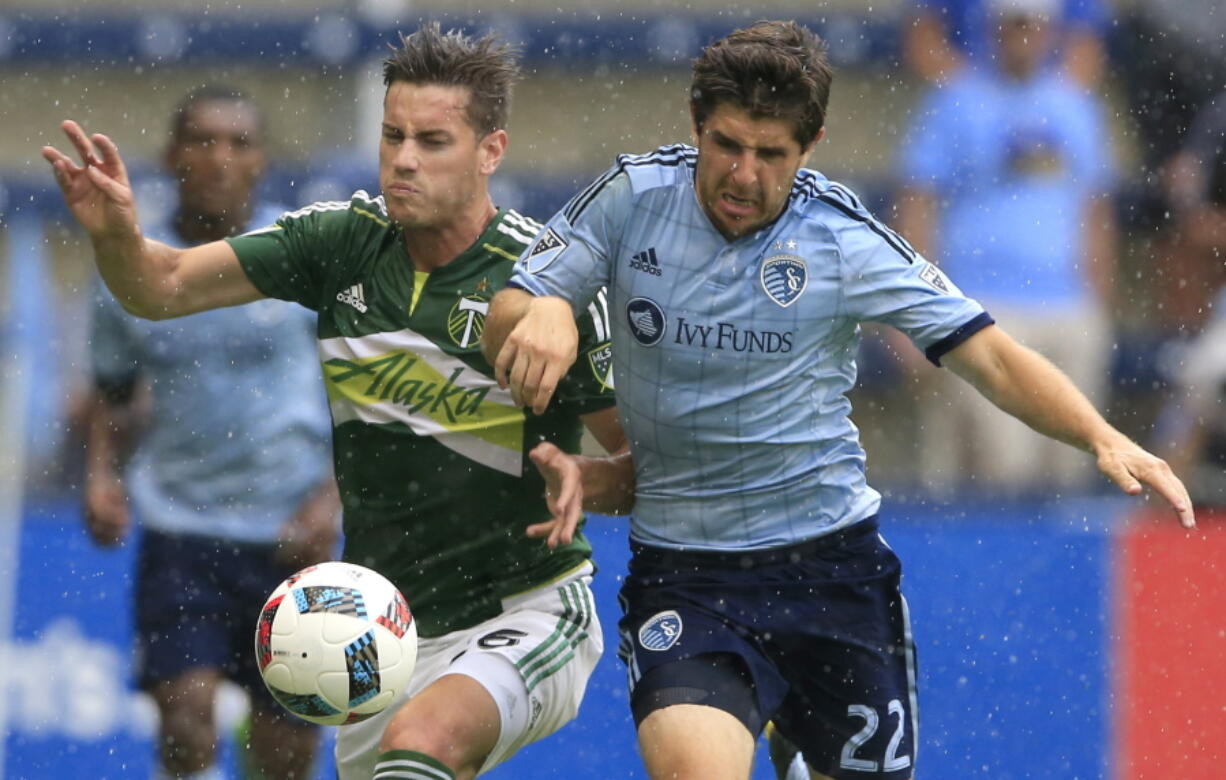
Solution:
(483, 285)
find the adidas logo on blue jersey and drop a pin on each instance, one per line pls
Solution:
(646, 261)
(353, 296)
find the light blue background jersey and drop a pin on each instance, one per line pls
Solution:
(1015, 164)
(238, 434)
(732, 360)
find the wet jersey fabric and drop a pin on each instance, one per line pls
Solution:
(430, 455)
(733, 359)
(237, 436)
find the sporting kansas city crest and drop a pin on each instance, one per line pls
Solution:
(661, 632)
(544, 251)
(784, 278)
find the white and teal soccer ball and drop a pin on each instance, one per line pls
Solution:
(336, 643)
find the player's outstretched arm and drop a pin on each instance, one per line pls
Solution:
(1026, 385)
(149, 279)
(533, 341)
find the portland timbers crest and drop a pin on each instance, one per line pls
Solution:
(784, 278)
(467, 319)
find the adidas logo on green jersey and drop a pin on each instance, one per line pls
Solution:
(354, 297)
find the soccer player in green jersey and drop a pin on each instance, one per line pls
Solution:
(431, 456)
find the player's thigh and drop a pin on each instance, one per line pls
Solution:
(695, 742)
(697, 716)
(850, 662)
(255, 573)
(454, 720)
(534, 660)
(182, 620)
(551, 639)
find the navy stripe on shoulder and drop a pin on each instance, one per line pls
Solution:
(667, 156)
(958, 337)
(895, 241)
(808, 186)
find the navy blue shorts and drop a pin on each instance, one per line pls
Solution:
(197, 603)
(821, 628)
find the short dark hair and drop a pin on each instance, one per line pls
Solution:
(769, 69)
(207, 94)
(486, 66)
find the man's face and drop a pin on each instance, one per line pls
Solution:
(217, 158)
(1024, 42)
(745, 169)
(432, 165)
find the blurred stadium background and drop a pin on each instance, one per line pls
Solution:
(1059, 636)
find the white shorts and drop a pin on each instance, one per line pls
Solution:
(537, 675)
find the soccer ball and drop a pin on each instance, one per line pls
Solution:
(336, 643)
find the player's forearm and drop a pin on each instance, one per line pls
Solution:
(110, 437)
(1028, 386)
(139, 272)
(608, 483)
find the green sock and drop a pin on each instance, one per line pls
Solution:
(410, 765)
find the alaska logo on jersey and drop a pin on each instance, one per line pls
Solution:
(647, 321)
(661, 632)
(784, 278)
(405, 380)
(544, 251)
(466, 320)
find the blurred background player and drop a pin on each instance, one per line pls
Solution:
(229, 474)
(1192, 429)
(941, 38)
(1008, 179)
(432, 458)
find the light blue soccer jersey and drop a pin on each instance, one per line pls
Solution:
(239, 430)
(732, 360)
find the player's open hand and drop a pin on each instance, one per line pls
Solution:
(538, 352)
(1131, 467)
(97, 190)
(563, 494)
(106, 510)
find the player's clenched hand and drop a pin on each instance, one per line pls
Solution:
(106, 510)
(563, 494)
(97, 190)
(538, 352)
(310, 535)
(1131, 467)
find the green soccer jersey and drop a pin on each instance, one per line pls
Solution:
(431, 456)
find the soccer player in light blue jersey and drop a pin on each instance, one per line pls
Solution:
(759, 587)
(229, 474)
